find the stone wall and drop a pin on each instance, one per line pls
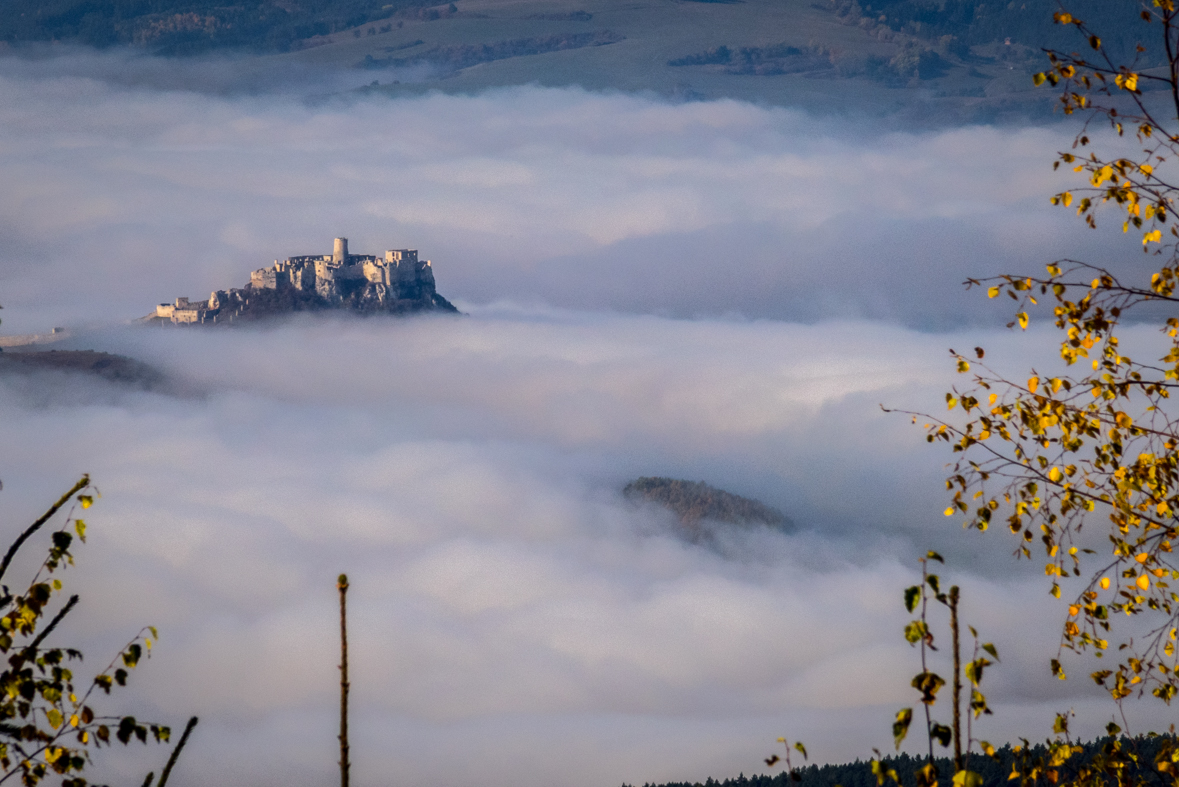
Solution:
(397, 282)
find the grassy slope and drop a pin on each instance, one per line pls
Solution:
(991, 81)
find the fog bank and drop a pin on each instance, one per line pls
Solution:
(710, 291)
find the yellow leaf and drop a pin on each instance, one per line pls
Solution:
(1023, 319)
(993, 292)
(1054, 474)
(1067, 198)
(1105, 583)
(1033, 384)
(1143, 582)
(949, 511)
(1152, 237)
(1142, 557)
(967, 779)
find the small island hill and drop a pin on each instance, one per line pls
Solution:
(398, 283)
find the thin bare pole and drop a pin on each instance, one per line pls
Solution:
(342, 585)
(958, 766)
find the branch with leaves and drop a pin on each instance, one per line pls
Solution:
(46, 728)
(1094, 444)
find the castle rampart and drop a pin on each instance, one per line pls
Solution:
(396, 282)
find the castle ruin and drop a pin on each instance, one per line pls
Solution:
(397, 283)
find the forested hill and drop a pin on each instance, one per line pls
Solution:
(995, 772)
(1026, 22)
(694, 501)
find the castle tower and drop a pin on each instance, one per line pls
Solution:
(340, 251)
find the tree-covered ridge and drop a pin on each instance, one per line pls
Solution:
(1027, 22)
(926, 39)
(695, 501)
(184, 26)
(995, 770)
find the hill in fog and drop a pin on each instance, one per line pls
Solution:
(700, 507)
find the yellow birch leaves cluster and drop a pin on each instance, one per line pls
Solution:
(1093, 446)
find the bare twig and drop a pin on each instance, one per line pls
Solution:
(175, 754)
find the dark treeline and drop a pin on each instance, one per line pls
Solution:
(454, 57)
(995, 771)
(762, 60)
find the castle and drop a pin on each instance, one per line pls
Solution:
(397, 283)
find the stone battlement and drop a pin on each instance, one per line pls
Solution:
(397, 282)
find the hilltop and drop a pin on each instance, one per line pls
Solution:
(700, 506)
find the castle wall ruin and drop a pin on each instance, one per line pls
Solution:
(397, 276)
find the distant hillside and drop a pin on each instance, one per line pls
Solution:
(178, 26)
(190, 26)
(697, 504)
(954, 60)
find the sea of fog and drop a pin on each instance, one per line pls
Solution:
(713, 291)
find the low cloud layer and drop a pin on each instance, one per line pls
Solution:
(131, 195)
(514, 619)
(711, 291)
